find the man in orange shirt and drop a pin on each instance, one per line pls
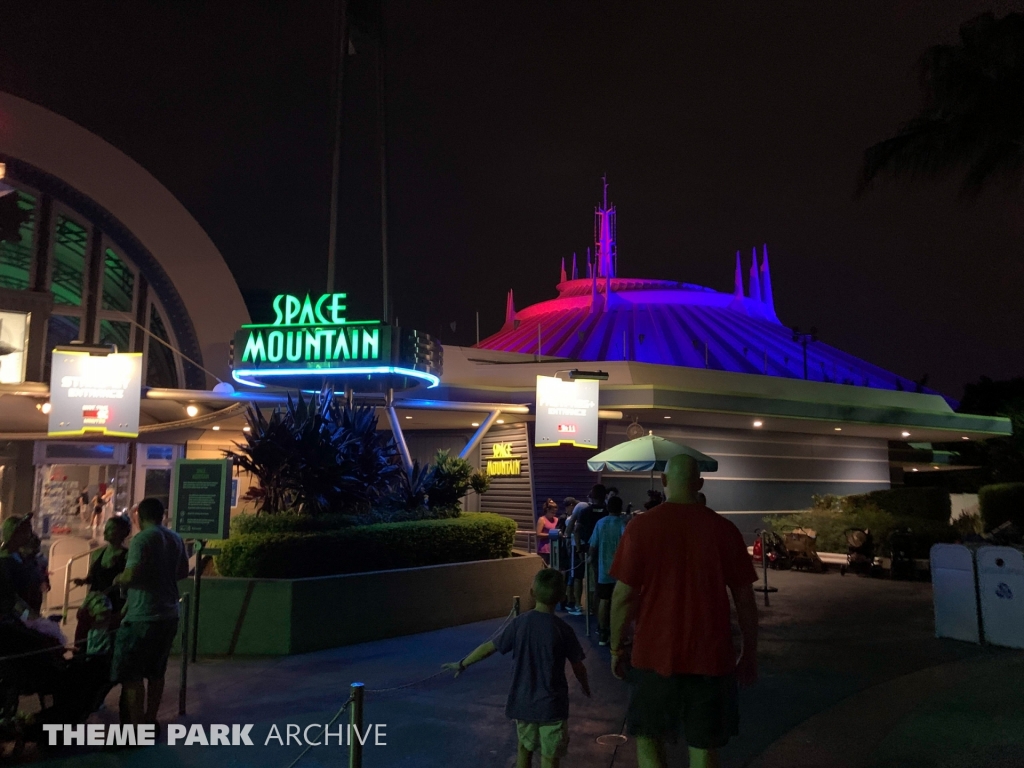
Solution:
(675, 566)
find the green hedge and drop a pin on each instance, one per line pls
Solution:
(356, 549)
(920, 504)
(300, 522)
(1002, 502)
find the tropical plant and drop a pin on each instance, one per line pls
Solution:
(973, 112)
(449, 480)
(480, 481)
(410, 489)
(317, 455)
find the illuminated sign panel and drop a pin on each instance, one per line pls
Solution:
(95, 393)
(201, 498)
(566, 412)
(501, 462)
(13, 346)
(312, 339)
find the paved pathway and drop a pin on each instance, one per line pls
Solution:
(850, 676)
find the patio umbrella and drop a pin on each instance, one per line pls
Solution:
(647, 453)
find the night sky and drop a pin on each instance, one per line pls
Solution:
(721, 126)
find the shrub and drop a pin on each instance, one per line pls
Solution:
(921, 504)
(1002, 502)
(356, 549)
(291, 521)
(449, 480)
(832, 516)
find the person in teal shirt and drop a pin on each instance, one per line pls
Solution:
(603, 543)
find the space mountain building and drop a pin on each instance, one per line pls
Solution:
(786, 416)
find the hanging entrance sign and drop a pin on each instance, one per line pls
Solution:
(94, 391)
(566, 412)
(312, 340)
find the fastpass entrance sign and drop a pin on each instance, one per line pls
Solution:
(567, 412)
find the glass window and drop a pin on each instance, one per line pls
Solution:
(60, 331)
(160, 368)
(118, 283)
(160, 452)
(16, 252)
(69, 245)
(117, 333)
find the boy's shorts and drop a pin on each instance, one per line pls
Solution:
(552, 739)
(604, 591)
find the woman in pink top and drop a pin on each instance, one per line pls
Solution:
(547, 521)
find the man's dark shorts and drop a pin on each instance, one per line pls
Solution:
(604, 591)
(705, 708)
(577, 562)
(141, 650)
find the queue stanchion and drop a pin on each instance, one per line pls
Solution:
(586, 595)
(183, 672)
(355, 746)
(765, 589)
(195, 609)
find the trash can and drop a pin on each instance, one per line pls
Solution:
(1001, 589)
(954, 593)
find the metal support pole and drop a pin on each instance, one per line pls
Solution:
(586, 595)
(195, 608)
(515, 606)
(482, 430)
(355, 748)
(764, 567)
(396, 430)
(183, 678)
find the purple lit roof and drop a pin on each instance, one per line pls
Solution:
(604, 317)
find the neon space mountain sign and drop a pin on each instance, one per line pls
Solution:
(312, 340)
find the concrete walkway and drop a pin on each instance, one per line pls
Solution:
(851, 675)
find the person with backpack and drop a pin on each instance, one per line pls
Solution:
(580, 527)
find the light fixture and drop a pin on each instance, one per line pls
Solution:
(44, 407)
(838, 429)
(247, 429)
(935, 466)
(668, 417)
(914, 469)
(965, 437)
(904, 433)
(215, 427)
(501, 421)
(758, 423)
(475, 424)
(576, 374)
(192, 411)
(408, 417)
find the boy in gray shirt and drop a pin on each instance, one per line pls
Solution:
(538, 699)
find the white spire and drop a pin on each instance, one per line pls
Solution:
(737, 287)
(766, 285)
(755, 283)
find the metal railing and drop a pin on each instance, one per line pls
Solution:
(531, 540)
(67, 583)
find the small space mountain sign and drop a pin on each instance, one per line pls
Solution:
(94, 392)
(567, 412)
(312, 341)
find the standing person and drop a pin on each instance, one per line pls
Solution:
(35, 572)
(538, 700)
(156, 562)
(604, 542)
(548, 521)
(99, 503)
(676, 566)
(580, 526)
(108, 563)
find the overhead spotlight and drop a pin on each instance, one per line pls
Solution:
(215, 427)
(914, 469)
(935, 466)
(904, 434)
(501, 421)
(408, 417)
(247, 429)
(192, 411)
(838, 429)
(667, 417)
(475, 424)
(758, 423)
(44, 407)
(965, 437)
